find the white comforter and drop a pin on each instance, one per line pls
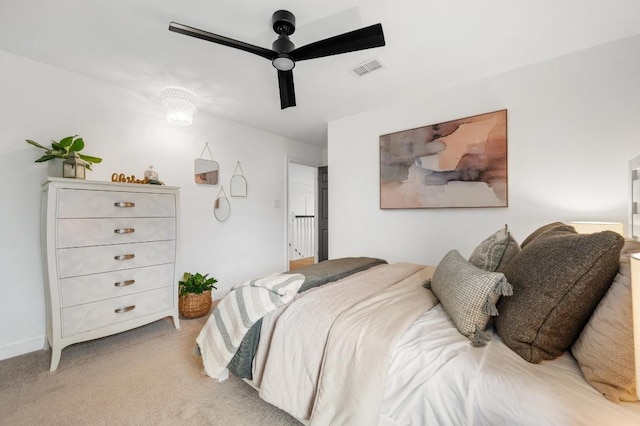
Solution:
(437, 378)
(325, 335)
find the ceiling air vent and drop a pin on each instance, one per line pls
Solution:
(367, 67)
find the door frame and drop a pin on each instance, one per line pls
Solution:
(322, 223)
(285, 215)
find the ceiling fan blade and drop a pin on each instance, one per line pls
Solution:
(204, 35)
(364, 38)
(287, 92)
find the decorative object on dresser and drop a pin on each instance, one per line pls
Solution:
(151, 176)
(195, 295)
(122, 178)
(74, 167)
(109, 252)
(68, 149)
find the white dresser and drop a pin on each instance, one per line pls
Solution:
(109, 252)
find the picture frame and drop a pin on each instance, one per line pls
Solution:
(454, 164)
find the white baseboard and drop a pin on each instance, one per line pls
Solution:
(21, 348)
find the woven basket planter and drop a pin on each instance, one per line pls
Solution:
(194, 305)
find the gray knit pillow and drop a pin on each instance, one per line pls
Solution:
(496, 251)
(468, 294)
(558, 279)
(512, 249)
(488, 254)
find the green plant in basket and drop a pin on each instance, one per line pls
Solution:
(196, 283)
(194, 293)
(64, 149)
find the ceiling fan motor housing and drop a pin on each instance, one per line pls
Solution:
(283, 22)
(283, 44)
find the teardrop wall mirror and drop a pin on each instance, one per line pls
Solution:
(222, 206)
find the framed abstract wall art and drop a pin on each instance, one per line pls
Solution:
(458, 163)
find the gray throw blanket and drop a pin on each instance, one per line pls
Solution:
(315, 275)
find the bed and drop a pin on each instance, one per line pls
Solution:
(531, 333)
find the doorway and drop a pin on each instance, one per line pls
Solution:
(302, 214)
(323, 213)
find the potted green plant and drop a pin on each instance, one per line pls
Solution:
(65, 148)
(194, 294)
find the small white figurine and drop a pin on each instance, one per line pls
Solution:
(151, 174)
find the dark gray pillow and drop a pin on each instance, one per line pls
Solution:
(558, 279)
(554, 226)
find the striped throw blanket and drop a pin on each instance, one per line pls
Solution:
(234, 315)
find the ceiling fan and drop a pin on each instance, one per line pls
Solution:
(283, 53)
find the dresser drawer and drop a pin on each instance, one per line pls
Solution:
(73, 262)
(78, 203)
(93, 232)
(90, 316)
(95, 287)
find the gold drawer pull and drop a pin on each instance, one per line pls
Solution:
(124, 256)
(124, 283)
(124, 230)
(124, 204)
(125, 309)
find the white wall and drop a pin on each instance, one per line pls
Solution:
(129, 132)
(573, 125)
(302, 184)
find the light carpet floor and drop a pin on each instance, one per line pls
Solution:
(145, 376)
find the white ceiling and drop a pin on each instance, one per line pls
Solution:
(431, 45)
